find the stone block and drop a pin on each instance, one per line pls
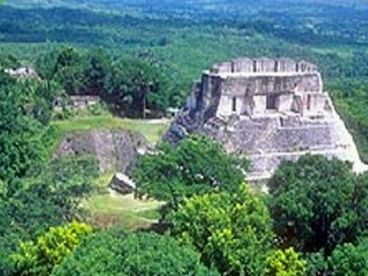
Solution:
(244, 65)
(260, 104)
(284, 102)
(286, 65)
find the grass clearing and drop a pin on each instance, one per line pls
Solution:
(113, 209)
(108, 208)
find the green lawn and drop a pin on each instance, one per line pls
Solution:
(108, 208)
(151, 130)
(113, 209)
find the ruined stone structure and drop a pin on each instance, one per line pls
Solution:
(270, 110)
(26, 72)
(76, 102)
(115, 150)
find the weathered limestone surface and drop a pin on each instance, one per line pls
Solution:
(269, 110)
(115, 150)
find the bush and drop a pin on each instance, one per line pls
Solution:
(41, 256)
(285, 263)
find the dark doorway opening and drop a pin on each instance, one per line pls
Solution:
(309, 99)
(234, 104)
(271, 102)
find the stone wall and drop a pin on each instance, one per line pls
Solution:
(262, 65)
(244, 94)
(239, 87)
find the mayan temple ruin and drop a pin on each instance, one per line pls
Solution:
(270, 110)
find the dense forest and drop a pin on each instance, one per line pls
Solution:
(141, 58)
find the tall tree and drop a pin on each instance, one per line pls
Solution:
(34, 204)
(318, 203)
(66, 66)
(21, 129)
(197, 165)
(233, 231)
(135, 86)
(97, 69)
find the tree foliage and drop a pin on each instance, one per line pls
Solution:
(135, 85)
(115, 252)
(9, 61)
(130, 85)
(197, 165)
(318, 203)
(285, 263)
(25, 109)
(39, 257)
(32, 205)
(233, 231)
(345, 259)
(349, 259)
(65, 66)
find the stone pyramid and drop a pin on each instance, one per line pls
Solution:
(267, 109)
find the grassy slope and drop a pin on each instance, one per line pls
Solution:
(114, 209)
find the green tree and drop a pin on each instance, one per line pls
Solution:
(66, 66)
(285, 263)
(69, 70)
(9, 61)
(134, 86)
(39, 257)
(115, 252)
(197, 165)
(349, 259)
(30, 206)
(346, 259)
(42, 95)
(96, 72)
(233, 231)
(130, 85)
(318, 203)
(21, 125)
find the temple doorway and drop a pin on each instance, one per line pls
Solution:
(271, 102)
